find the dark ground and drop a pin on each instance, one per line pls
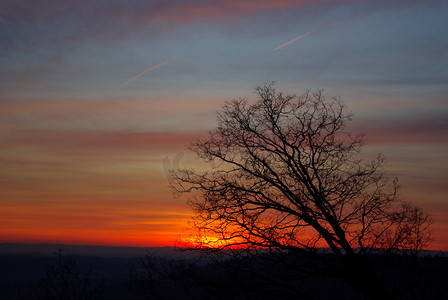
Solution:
(126, 273)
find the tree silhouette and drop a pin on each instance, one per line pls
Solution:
(64, 281)
(290, 178)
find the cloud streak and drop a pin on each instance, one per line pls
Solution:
(292, 41)
(99, 142)
(142, 73)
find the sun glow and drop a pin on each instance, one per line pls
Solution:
(206, 241)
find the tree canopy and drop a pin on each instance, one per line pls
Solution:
(290, 177)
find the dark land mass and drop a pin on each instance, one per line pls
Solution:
(88, 250)
(100, 272)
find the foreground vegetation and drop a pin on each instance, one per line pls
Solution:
(261, 276)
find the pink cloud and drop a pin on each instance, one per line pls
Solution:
(215, 11)
(83, 107)
(432, 130)
(98, 142)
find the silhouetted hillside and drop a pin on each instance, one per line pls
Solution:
(104, 251)
(163, 273)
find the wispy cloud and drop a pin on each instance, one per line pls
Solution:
(86, 142)
(142, 73)
(292, 41)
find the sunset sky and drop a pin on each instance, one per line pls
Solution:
(99, 98)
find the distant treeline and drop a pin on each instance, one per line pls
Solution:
(262, 276)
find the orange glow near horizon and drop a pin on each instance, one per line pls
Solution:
(113, 223)
(46, 233)
(204, 242)
(94, 220)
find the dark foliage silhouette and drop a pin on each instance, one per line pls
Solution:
(281, 276)
(191, 275)
(145, 278)
(64, 281)
(290, 179)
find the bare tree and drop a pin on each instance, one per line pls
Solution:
(290, 178)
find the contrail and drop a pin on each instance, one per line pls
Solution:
(142, 73)
(290, 42)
